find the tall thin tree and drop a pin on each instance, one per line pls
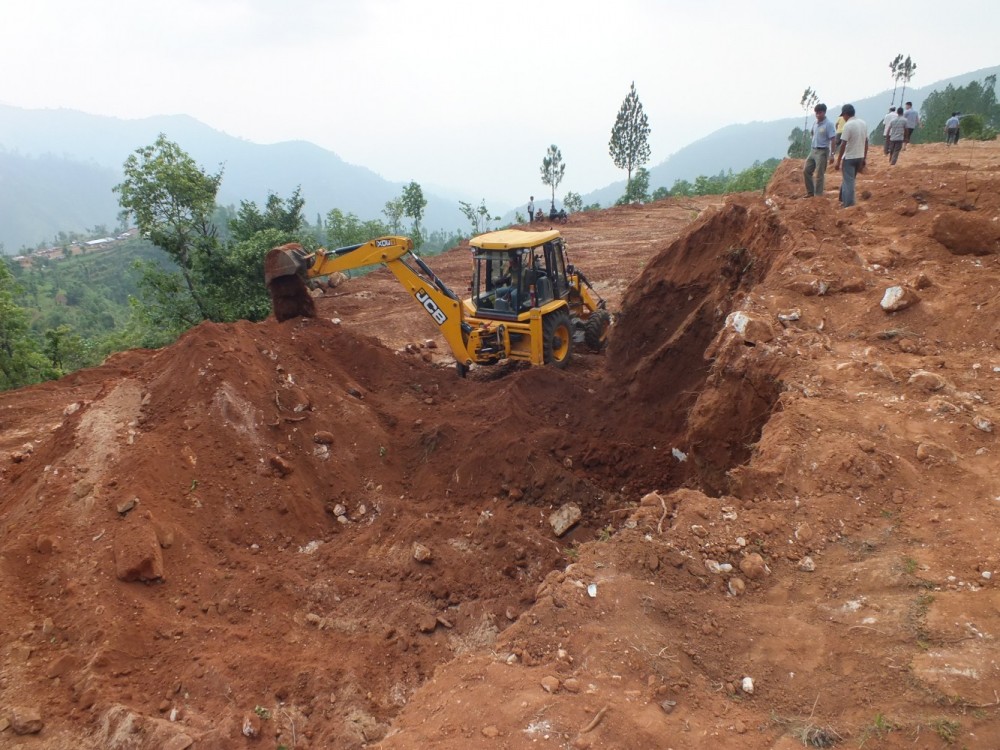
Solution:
(906, 71)
(894, 72)
(629, 144)
(553, 170)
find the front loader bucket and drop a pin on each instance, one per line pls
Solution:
(282, 273)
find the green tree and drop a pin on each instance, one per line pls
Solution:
(572, 202)
(904, 73)
(808, 102)
(284, 215)
(637, 190)
(660, 193)
(553, 169)
(21, 363)
(977, 103)
(894, 66)
(173, 200)
(414, 204)
(798, 144)
(394, 211)
(629, 144)
(478, 216)
(682, 188)
(343, 230)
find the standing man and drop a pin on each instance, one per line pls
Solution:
(853, 153)
(531, 208)
(886, 122)
(912, 122)
(823, 135)
(897, 131)
(951, 129)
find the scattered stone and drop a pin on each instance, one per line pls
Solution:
(982, 423)
(747, 685)
(753, 566)
(421, 553)
(323, 437)
(281, 467)
(44, 543)
(490, 732)
(550, 684)
(126, 505)
(866, 445)
(699, 531)
(427, 624)
(571, 685)
(564, 518)
(313, 619)
(807, 565)
(339, 510)
(898, 298)
(753, 329)
(934, 453)
(251, 725)
(736, 586)
(921, 281)
(804, 532)
(26, 720)
(789, 315)
(965, 234)
(137, 553)
(61, 667)
(808, 286)
(668, 706)
(929, 381)
(82, 489)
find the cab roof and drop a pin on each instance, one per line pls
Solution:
(512, 239)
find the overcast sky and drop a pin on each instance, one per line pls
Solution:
(467, 96)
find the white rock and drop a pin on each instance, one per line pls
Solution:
(982, 423)
(747, 685)
(987, 574)
(564, 518)
(898, 298)
(807, 565)
(679, 455)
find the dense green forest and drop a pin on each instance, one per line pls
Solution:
(198, 261)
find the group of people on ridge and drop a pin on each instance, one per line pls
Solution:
(847, 147)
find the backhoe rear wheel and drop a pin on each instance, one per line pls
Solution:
(557, 339)
(595, 330)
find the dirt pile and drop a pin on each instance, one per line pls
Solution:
(296, 534)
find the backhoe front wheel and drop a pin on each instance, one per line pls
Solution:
(557, 339)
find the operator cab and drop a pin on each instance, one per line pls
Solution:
(515, 271)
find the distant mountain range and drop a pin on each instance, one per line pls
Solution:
(57, 167)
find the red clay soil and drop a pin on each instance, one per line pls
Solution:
(313, 534)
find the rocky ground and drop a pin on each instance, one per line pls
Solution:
(314, 534)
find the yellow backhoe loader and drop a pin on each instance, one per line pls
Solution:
(528, 303)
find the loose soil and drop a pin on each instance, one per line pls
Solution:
(314, 534)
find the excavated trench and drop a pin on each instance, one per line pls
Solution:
(372, 518)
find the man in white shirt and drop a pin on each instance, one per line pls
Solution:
(912, 122)
(886, 121)
(853, 153)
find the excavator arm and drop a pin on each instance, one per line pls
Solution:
(424, 286)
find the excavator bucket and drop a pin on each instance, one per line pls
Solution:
(283, 269)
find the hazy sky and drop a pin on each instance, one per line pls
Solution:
(467, 96)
